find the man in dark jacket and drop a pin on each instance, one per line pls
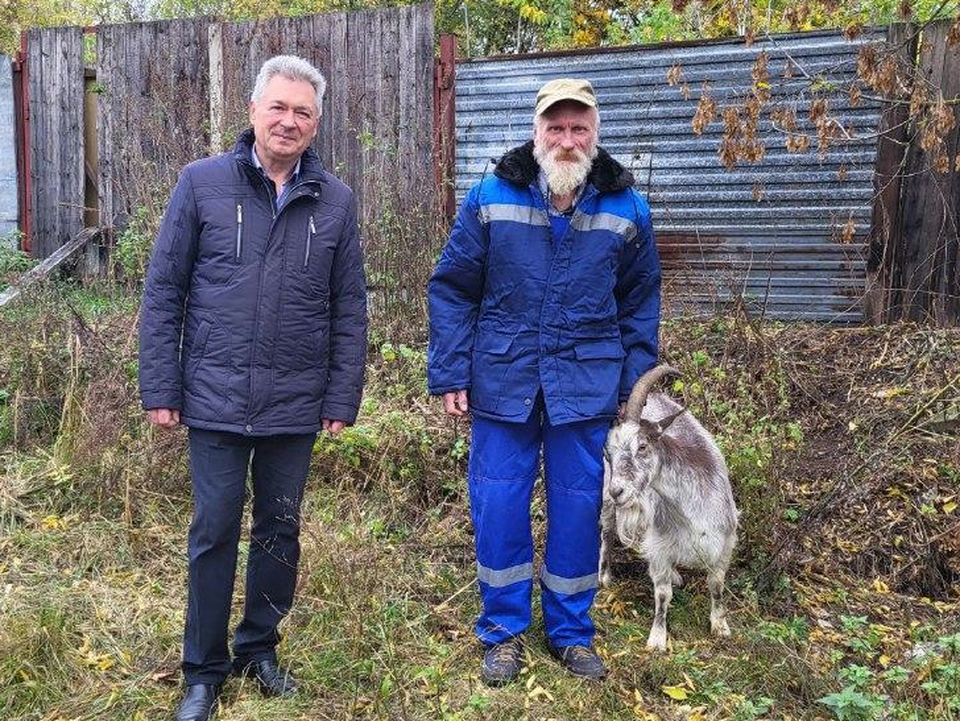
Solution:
(253, 334)
(544, 311)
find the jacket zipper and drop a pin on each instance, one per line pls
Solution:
(311, 231)
(256, 315)
(239, 230)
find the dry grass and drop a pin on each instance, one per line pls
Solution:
(845, 465)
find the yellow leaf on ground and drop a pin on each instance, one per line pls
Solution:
(540, 692)
(886, 393)
(950, 507)
(879, 586)
(677, 693)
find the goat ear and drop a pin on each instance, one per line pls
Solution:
(664, 423)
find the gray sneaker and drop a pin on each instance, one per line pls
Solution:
(581, 661)
(501, 662)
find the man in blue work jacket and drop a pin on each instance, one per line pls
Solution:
(544, 311)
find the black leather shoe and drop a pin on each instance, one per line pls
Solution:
(273, 680)
(501, 662)
(581, 661)
(198, 702)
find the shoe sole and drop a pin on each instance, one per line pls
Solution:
(587, 677)
(498, 681)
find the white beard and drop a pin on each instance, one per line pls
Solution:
(564, 176)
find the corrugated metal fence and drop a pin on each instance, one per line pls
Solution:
(8, 160)
(786, 235)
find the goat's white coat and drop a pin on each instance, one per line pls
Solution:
(669, 498)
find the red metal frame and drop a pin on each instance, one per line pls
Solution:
(23, 165)
(444, 123)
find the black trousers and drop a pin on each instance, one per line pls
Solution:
(218, 464)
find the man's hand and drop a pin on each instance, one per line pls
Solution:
(333, 427)
(164, 417)
(456, 403)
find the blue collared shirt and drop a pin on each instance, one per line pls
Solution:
(289, 183)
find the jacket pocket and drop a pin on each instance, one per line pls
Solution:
(596, 349)
(489, 370)
(593, 379)
(311, 231)
(197, 350)
(238, 246)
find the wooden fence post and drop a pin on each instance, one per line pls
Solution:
(444, 124)
(25, 182)
(888, 173)
(924, 279)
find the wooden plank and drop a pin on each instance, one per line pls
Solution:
(409, 114)
(884, 234)
(352, 161)
(425, 57)
(946, 301)
(338, 92)
(318, 43)
(56, 136)
(924, 215)
(70, 250)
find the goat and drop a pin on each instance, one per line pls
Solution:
(667, 495)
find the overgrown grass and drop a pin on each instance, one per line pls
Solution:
(94, 508)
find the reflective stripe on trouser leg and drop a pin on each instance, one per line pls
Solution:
(574, 480)
(503, 466)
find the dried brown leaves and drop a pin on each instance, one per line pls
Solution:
(879, 70)
(675, 77)
(706, 111)
(953, 37)
(934, 125)
(741, 141)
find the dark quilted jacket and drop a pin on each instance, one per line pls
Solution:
(254, 317)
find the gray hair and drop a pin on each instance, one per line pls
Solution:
(292, 68)
(539, 119)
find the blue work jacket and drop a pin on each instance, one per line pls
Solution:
(513, 314)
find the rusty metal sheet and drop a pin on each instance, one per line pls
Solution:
(785, 235)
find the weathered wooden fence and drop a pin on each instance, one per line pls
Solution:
(915, 244)
(169, 92)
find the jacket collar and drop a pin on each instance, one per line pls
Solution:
(311, 167)
(518, 166)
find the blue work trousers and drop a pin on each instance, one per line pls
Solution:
(504, 463)
(219, 462)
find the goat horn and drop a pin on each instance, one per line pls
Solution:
(638, 396)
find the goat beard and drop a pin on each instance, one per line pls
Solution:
(565, 171)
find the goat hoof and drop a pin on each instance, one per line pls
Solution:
(657, 643)
(720, 628)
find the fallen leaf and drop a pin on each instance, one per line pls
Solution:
(888, 393)
(677, 693)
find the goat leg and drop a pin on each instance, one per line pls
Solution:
(608, 532)
(718, 611)
(662, 594)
